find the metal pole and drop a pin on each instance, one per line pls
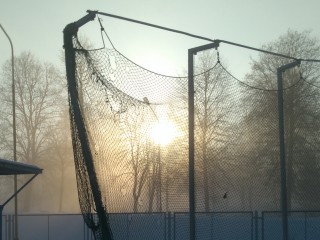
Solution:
(69, 32)
(16, 237)
(256, 222)
(284, 201)
(216, 41)
(191, 145)
(284, 206)
(192, 207)
(19, 190)
(1, 208)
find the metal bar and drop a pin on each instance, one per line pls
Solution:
(305, 226)
(265, 51)
(285, 67)
(262, 225)
(217, 41)
(152, 25)
(284, 200)
(211, 226)
(284, 206)
(310, 60)
(252, 222)
(69, 32)
(191, 53)
(16, 237)
(1, 208)
(191, 144)
(256, 215)
(89, 17)
(256, 49)
(48, 226)
(174, 226)
(164, 218)
(22, 187)
(14, 195)
(195, 50)
(169, 226)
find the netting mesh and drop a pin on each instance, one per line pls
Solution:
(136, 126)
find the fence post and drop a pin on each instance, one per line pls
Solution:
(305, 225)
(169, 225)
(262, 225)
(174, 226)
(256, 218)
(10, 235)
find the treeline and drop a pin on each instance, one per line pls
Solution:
(42, 134)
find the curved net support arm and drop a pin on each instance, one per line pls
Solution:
(89, 191)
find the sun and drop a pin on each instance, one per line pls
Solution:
(163, 132)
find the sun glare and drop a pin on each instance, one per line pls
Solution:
(163, 133)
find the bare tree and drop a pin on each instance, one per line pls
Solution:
(37, 102)
(211, 121)
(60, 168)
(141, 157)
(301, 99)
(209, 97)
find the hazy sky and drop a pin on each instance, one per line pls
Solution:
(37, 25)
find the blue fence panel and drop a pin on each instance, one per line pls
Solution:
(272, 226)
(146, 226)
(138, 226)
(233, 226)
(66, 227)
(204, 228)
(181, 226)
(216, 226)
(119, 226)
(296, 228)
(301, 225)
(33, 227)
(312, 225)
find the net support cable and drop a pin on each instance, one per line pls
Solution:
(199, 37)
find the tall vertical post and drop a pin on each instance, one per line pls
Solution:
(284, 205)
(284, 200)
(16, 237)
(256, 224)
(191, 145)
(191, 91)
(1, 209)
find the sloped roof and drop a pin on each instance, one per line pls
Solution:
(8, 167)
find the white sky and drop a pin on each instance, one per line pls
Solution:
(37, 25)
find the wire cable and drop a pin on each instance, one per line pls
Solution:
(200, 37)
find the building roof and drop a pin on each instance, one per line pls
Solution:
(8, 167)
